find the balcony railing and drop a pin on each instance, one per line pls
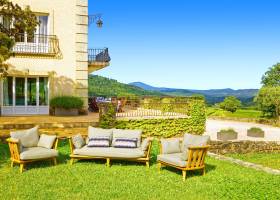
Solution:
(36, 44)
(99, 55)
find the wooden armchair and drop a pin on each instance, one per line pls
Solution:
(15, 151)
(195, 159)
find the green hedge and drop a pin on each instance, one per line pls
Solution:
(67, 102)
(170, 127)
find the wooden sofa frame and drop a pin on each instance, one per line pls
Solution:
(74, 157)
(15, 154)
(196, 157)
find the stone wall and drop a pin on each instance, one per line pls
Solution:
(242, 147)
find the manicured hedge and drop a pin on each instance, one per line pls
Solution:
(67, 102)
(170, 127)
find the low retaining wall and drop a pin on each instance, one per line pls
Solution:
(242, 147)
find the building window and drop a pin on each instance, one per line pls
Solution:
(8, 91)
(31, 92)
(43, 91)
(20, 91)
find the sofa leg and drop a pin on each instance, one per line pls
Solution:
(21, 167)
(108, 162)
(184, 175)
(71, 161)
(12, 164)
(203, 171)
(148, 164)
(54, 161)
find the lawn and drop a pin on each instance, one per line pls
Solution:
(240, 113)
(92, 180)
(271, 160)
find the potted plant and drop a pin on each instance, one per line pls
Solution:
(66, 105)
(227, 134)
(255, 132)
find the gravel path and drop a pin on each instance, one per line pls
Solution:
(214, 126)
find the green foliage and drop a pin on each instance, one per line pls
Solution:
(239, 114)
(272, 77)
(107, 118)
(23, 20)
(171, 127)
(101, 86)
(255, 130)
(231, 104)
(268, 100)
(228, 131)
(67, 102)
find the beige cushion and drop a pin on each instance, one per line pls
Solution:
(27, 138)
(145, 144)
(110, 152)
(46, 141)
(173, 159)
(78, 141)
(34, 153)
(193, 140)
(121, 133)
(170, 146)
(99, 132)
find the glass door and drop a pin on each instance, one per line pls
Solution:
(31, 92)
(20, 91)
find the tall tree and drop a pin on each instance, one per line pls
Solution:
(272, 77)
(13, 20)
(231, 104)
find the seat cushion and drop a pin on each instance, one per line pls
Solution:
(99, 132)
(193, 140)
(171, 145)
(46, 141)
(37, 153)
(174, 159)
(110, 152)
(121, 133)
(28, 138)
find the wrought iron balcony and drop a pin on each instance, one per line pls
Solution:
(98, 59)
(43, 45)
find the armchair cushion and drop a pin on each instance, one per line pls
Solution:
(28, 138)
(193, 140)
(99, 132)
(120, 133)
(173, 159)
(46, 141)
(78, 141)
(34, 153)
(169, 146)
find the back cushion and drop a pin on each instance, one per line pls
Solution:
(128, 134)
(171, 145)
(99, 132)
(193, 140)
(28, 138)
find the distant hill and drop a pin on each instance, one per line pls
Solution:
(101, 86)
(212, 96)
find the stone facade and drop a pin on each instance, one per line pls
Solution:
(242, 147)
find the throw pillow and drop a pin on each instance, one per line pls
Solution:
(125, 143)
(78, 141)
(169, 146)
(46, 141)
(99, 142)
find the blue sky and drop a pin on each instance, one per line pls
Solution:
(192, 44)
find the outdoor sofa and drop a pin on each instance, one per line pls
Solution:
(28, 146)
(110, 144)
(187, 153)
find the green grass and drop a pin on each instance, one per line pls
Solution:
(92, 180)
(240, 113)
(271, 160)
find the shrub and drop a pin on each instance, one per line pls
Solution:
(67, 102)
(255, 132)
(107, 115)
(195, 124)
(228, 131)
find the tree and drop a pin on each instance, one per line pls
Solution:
(13, 20)
(231, 104)
(268, 100)
(272, 77)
